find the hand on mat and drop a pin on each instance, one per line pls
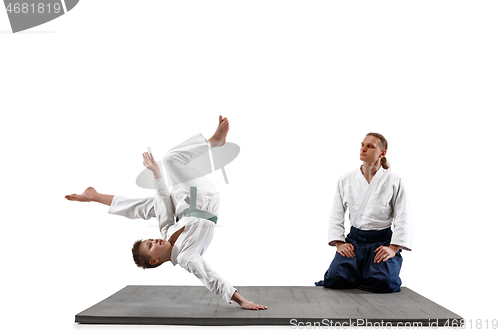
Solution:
(252, 306)
(345, 250)
(246, 304)
(384, 253)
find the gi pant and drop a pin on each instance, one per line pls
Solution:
(360, 271)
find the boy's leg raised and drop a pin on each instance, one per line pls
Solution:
(181, 173)
(131, 208)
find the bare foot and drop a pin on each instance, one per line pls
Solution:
(86, 196)
(219, 137)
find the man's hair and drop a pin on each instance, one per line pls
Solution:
(384, 143)
(140, 259)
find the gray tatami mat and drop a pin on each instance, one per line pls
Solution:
(290, 306)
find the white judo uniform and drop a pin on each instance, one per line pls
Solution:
(198, 232)
(387, 205)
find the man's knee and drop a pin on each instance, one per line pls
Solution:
(338, 281)
(341, 275)
(386, 283)
(390, 284)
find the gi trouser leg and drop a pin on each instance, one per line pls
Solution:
(159, 206)
(342, 274)
(187, 164)
(181, 174)
(142, 208)
(361, 272)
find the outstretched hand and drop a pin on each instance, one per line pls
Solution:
(150, 163)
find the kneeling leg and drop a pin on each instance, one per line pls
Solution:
(342, 273)
(382, 277)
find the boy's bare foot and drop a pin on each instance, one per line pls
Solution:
(86, 196)
(219, 137)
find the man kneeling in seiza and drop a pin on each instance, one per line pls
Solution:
(186, 215)
(369, 258)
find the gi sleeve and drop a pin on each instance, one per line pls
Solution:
(209, 277)
(403, 227)
(164, 207)
(336, 222)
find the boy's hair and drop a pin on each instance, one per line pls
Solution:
(141, 260)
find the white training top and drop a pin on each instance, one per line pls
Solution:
(195, 239)
(386, 206)
(188, 250)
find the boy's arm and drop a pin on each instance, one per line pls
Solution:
(151, 164)
(214, 282)
(164, 208)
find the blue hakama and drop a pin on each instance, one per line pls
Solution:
(360, 271)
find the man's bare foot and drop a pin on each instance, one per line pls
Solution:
(86, 196)
(219, 137)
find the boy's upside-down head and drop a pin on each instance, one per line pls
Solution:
(151, 253)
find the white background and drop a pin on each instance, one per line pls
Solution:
(301, 82)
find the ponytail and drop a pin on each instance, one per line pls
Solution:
(384, 163)
(383, 141)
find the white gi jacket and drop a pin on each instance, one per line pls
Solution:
(194, 240)
(386, 206)
(198, 233)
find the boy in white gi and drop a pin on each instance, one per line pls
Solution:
(193, 202)
(369, 257)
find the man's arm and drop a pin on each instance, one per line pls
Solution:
(403, 229)
(336, 221)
